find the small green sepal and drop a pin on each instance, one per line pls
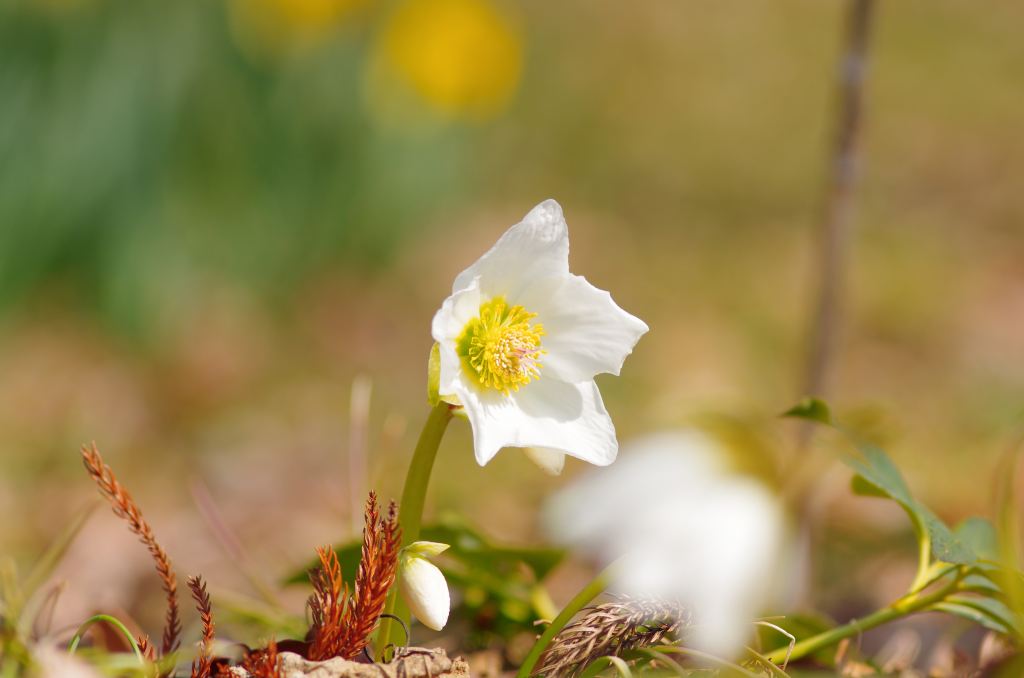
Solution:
(434, 381)
(424, 549)
(434, 375)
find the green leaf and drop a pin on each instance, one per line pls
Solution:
(811, 409)
(945, 546)
(992, 580)
(973, 615)
(979, 535)
(982, 581)
(990, 613)
(881, 478)
(863, 488)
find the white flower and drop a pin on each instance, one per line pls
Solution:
(422, 584)
(521, 340)
(683, 529)
(53, 663)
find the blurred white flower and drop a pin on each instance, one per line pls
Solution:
(422, 584)
(683, 529)
(521, 340)
(53, 663)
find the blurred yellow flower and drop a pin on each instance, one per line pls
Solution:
(281, 25)
(463, 57)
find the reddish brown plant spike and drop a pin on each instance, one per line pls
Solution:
(124, 506)
(146, 648)
(342, 625)
(263, 663)
(327, 605)
(377, 567)
(202, 664)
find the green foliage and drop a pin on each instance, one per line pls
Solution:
(967, 558)
(500, 585)
(979, 535)
(22, 601)
(877, 476)
(136, 172)
(991, 613)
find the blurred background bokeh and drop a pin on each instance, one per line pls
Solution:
(216, 217)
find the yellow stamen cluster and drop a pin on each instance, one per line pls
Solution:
(500, 348)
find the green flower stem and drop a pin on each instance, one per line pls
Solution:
(908, 604)
(410, 511)
(596, 586)
(414, 494)
(113, 621)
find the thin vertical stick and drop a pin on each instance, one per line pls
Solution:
(838, 206)
(358, 426)
(230, 542)
(834, 237)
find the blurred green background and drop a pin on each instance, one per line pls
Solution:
(214, 216)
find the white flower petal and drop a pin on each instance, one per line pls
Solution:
(448, 323)
(537, 247)
(550, 461)
(455, 312)
(585, 331)
(425, 591)
(544, 413)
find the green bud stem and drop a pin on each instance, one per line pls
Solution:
(410, 511)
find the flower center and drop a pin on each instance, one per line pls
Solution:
(500, 348)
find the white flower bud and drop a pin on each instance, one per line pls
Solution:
(423, 585)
